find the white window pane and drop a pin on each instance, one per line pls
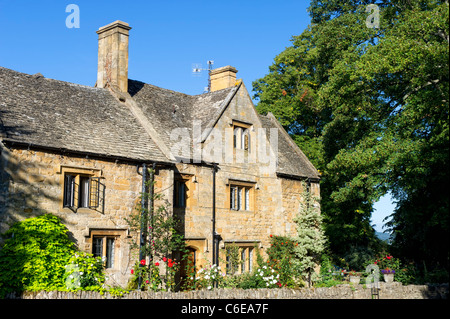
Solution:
(239, 199)
(247, 198)
(110, 245)
(243, 252)
(84, 192)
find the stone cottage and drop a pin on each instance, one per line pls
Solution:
(80, 153)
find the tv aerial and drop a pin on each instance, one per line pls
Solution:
(197, 69)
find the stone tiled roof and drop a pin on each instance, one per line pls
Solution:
(171, 110)
(291, 160)
(45, 112)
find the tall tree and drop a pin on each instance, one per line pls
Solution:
(376, 117)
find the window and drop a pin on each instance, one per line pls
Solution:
(241, 136)
(69, 190)
(106, 244)
(239, 257)
(250, 259)
(81, 191)
(182, 190)
(243, 255)
(240, 197)
(104, 247)
(180, 193)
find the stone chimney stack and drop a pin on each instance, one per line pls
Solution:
(113, 56)
(223, 78)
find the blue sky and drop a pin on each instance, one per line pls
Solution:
(166, 39)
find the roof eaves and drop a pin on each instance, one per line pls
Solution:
(292, 143)
(61, 150)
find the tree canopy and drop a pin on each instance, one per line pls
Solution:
(369, 107)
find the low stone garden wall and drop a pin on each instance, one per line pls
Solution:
(393, 290)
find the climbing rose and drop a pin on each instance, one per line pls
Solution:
(132, 271)
(143, 262)
(157, 264)
(164, 259)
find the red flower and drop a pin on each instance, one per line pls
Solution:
(170, 261)
(132, 271)
(157, 264)
(164, 259)
(146, 281)
(270, 236)
(143, 262)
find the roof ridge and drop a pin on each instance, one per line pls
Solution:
(39, 76)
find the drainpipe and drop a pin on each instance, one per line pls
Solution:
(151, 203)
(143, 219)
(214, 215)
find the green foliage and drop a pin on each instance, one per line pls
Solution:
(357, 257)
(310, 239)
(233, 258)
(84, 272)
(161, 240)
(330, 275)
(159, 227)
(370, 108)
(281, 256)
(150, 275)
(209, 275)
(34, 255)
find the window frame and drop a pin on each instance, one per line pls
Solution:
(106, 235)
(241, 136)
(246, 256)
(241, 196)
(93, 194)
(186, 195)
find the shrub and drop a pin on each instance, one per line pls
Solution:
(84, 271)
(34, 255)
(281, 258)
